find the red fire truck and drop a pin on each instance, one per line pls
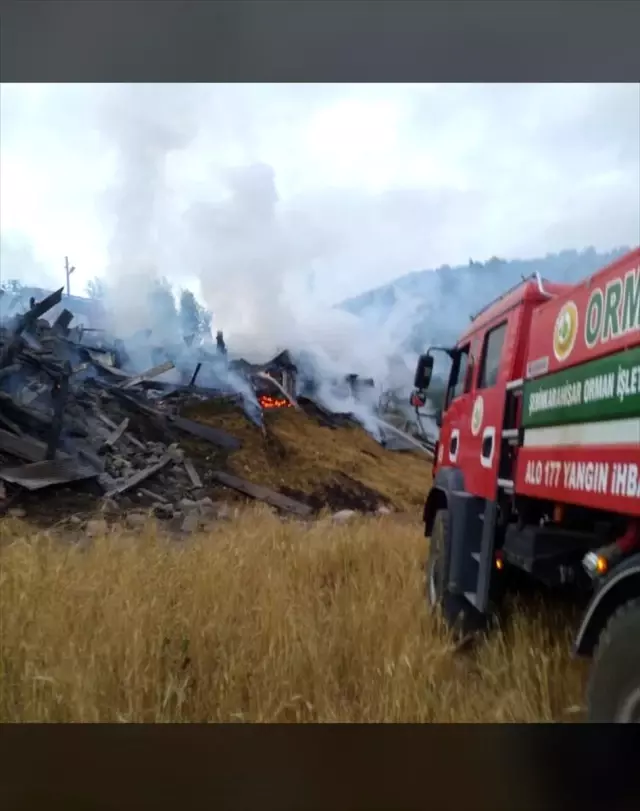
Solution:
(537, 467)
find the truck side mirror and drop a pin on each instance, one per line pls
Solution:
(424, 370)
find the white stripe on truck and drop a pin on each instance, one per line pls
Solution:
(607, 432)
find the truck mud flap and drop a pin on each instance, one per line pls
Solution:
(466, 522)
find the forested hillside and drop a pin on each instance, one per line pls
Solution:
(435, 305)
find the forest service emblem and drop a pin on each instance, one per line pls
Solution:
(476, 415)
(565, 331)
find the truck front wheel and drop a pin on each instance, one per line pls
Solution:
(614, 685)
(436, 559)
(457, 613)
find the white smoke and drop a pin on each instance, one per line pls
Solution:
(255, 251)
(142, 125)
(254, 255)
(18, 261)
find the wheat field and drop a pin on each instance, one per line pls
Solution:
(259, 620)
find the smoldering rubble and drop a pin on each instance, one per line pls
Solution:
(78, 414)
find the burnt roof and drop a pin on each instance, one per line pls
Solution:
(283, 361)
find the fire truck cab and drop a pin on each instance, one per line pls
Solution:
(537, 466)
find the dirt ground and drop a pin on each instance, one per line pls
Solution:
(340, 467)
(296, 455)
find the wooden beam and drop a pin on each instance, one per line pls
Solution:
(141, 476)
(262, 493)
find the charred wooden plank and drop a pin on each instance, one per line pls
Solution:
(84, 451)
(153, 496)
(214, 435)
(115, 435)
(60, 395)
(26, 321)
(9, 370)
(85, 348)
(10, 349)
(113, 426)
(141, 476)
(262, 493)
(155, 371)
(134, 441)
(43, 306)
(130, 400)
(42, 361)
(192, 382)
(38, 475)
(106, 420)
(11, 425)
(99, 363)
(27, 397)
(32, 342)
(174, 390)
(156, 419)
(29, 417)
(192, 473)
(63, 321)
(25, 447)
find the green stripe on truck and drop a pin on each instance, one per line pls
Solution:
(604, 389)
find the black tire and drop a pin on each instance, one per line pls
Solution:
(457, 613)
(436, 557)
(614, 685)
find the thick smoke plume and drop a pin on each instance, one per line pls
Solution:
(252, 253)
(142, 126)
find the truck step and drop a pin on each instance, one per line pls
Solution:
(470, 596)
(510, 433)
(506, 484)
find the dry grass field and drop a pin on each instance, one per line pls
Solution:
(259, 620)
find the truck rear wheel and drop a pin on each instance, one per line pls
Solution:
(614, 685)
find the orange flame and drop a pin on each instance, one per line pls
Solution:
(273, 402)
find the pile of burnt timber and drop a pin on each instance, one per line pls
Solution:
(69, 415)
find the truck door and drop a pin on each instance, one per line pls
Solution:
(481, 430)
(456, 406)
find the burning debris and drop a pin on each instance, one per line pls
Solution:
(76, 412)
(268, 402)
(70, 413)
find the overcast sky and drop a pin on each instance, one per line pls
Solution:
(333, 189)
